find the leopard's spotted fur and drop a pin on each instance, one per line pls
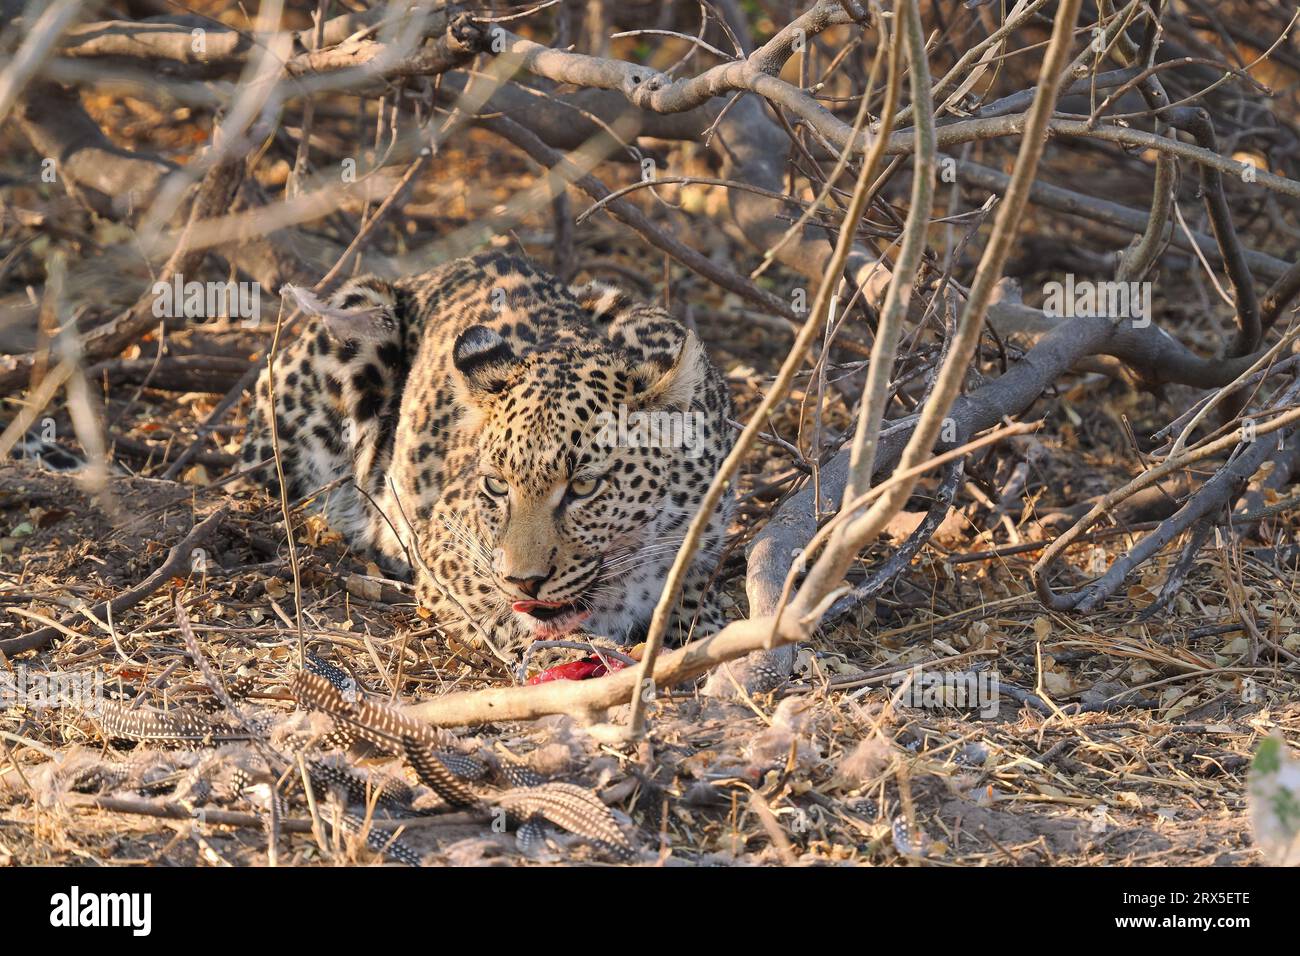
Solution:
(461, 419)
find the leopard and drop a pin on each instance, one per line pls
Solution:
(528, 452)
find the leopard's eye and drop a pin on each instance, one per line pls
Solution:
(494, 486)
(583, 487)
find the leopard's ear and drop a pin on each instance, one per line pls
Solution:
(601, 301)
(484, 361)
(677, 387)
(364, 308)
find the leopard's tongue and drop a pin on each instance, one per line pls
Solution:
(525, 606)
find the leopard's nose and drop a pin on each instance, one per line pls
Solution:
(530, 585)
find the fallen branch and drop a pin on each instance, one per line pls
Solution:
(176, 564)
(177, 373)
(167, 810)
(1245, 433)
(113, 182)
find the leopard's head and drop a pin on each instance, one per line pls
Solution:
(578, 452)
